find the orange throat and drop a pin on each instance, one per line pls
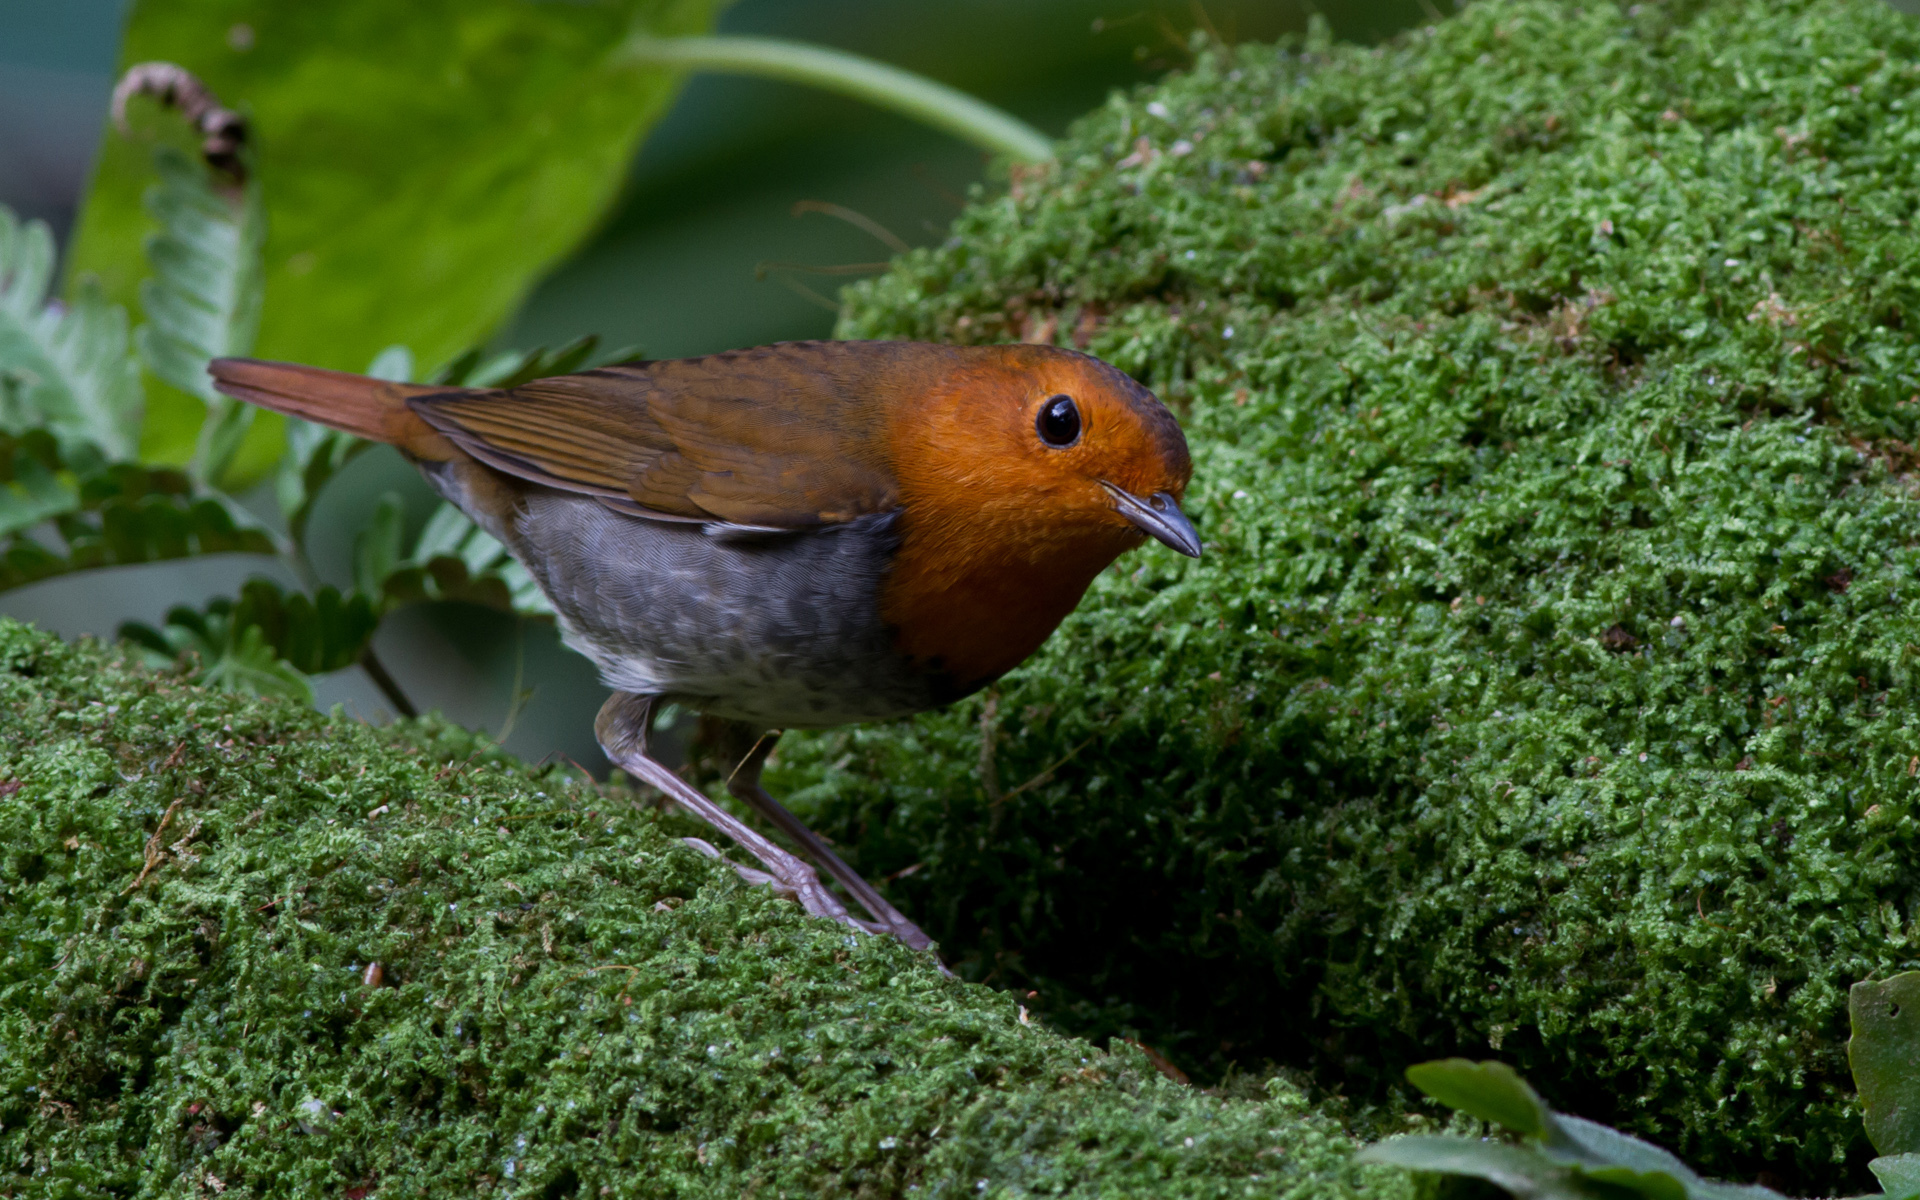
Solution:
(971, 604)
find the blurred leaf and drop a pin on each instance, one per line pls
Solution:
(30, 492)
(511, 368)
(1884, 1053)
(104, 514)
(1488, 1090)
(233, 655)
(68, 371)
(1521, 1170)
(203, 299)
(1562, 1157)
(376, 549)
(423, 162)
(1899, 1175)
(540, 363)
(266, 641)
(317, 634)
(454, 559)
(315, 454)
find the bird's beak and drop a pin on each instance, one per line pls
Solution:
(1158, 514)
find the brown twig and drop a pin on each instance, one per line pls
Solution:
(223, 132)
(388, 685)
(858, 220)
(989, 734)
(154, 852)
(1046, 776)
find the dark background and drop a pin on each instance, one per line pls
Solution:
(704, 252)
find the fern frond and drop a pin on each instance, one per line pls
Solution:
(66, 369)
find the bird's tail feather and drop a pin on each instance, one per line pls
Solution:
(375, 409)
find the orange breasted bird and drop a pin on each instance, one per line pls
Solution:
(789, 537)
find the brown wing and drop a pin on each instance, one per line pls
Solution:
(784, 437)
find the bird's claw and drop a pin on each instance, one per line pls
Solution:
(808, 892)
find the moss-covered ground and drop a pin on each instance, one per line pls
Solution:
(1548, 688)
(195, 889)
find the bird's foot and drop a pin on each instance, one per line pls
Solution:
(623, 727)
(754, 877)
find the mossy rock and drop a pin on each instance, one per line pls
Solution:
(568, 1000)
(1548, 688)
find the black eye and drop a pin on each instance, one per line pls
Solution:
(1059, 422)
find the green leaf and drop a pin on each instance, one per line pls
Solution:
(1521, 1170)
(1488, 1090)
(1563, 1156)
(539, 364)
(30, 492)
(1884, 1053)
(376, 549)
(233, 654)
(267, 640)
(315, 634)
(104, 514)
(424, 163)
(1899, 1175)
(454, 559)
(68, 371)
(247, 663)
(203, 300)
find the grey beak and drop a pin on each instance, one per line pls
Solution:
(1158, 514)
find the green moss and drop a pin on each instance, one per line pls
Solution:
(1548, 687)
(569, 1001)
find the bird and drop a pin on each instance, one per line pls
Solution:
(793, 536)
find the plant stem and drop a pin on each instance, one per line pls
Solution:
(388, 685)
(911, 95)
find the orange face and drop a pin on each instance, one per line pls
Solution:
(1023, 472)
(1047, 448)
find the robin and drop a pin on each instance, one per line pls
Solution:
(790, 537)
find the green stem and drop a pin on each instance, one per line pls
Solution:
(911, 95)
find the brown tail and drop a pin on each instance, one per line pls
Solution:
(370, 408)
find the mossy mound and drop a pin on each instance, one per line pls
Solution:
(568, 1001)
(1548, 688)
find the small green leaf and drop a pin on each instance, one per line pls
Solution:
(454, 559)
(105, 514)
(31, 493)
(234, 655)
(542, 364)
(1488, 1090)
(1884, 1053)
(248, 664)
(315, 634)
(1899, 1175)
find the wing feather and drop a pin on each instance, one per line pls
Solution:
(782, 437)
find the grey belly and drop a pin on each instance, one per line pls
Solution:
(778, 630)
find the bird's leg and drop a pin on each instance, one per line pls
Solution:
(744, 784)
(623, 726)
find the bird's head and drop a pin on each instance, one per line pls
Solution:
(1049, 449)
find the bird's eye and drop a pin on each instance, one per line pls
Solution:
(1059, 422)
